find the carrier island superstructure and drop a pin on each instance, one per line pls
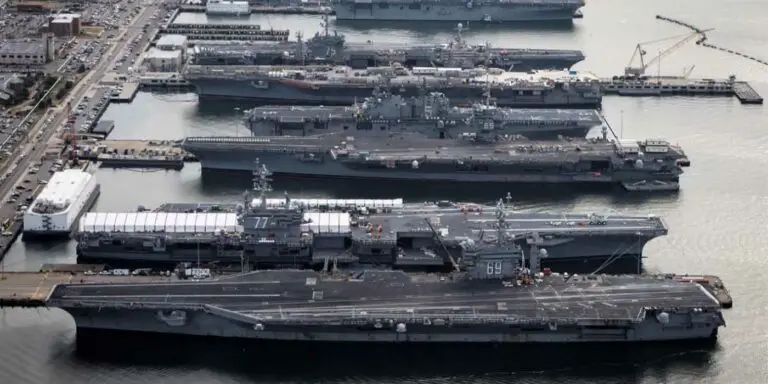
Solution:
(341, 85)
(496, 292)
(457, 10)
(307, 233)
(333, 48)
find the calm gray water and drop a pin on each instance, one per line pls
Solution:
(717, 222)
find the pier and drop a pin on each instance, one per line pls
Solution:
(226, 32)
(126, 93)
(272, 9)
(163, 79)
(136, 154)
(31, 289)
(746, 94)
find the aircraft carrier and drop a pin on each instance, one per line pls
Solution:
(483, 156)
(432, 115)
(332, 48)
(279, 233)
(341, 85)
(495, 294)
(488, 11)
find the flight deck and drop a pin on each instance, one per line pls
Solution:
(307, 298)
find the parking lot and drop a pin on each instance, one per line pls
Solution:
(26, 172)
(86, 114)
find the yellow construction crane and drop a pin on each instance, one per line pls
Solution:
(640, 52)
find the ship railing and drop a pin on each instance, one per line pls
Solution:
(371, 317)
(226, 140)
(106, 303)
(405, 160)
(242, 71)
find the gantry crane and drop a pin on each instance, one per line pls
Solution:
(640, 52)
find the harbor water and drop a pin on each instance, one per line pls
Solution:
(717, 222)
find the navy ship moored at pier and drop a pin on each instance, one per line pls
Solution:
(308, 233)
(333, 48)
(496, 293)
(329, 85)
(432, 115)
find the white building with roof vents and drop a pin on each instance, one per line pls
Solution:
(55, 211)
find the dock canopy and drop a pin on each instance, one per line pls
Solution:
(197, 222)
(326, 222)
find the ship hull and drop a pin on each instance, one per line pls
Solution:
(520, 64)
(489, 13)
(530, 131)
(288, 164)
(619, 253)
(202, 323)
(570, 262)
(392, 307)
(279, 93)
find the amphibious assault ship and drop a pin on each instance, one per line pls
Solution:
(495, 293)
(268, 233)
(341, 85)
(332, 48)
(457, 10)
(431, 114)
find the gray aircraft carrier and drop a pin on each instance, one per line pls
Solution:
(490, 297)
(332, 48)
(484, 156)
(309, 233)
(487, 11)
(341, 85)
(431, 114)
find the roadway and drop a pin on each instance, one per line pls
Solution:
(33, 151)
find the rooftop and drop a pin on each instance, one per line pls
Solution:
(155, 53)
(62, 189)
(65, 17)
(173, 40)
(21, 48)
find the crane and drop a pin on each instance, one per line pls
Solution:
(640, 52)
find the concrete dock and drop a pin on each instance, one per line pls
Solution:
(30, 289)
(127, 92)
(272, 9)
(746, 94)
(679, 86)
(137, 154)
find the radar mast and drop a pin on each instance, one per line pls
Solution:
(261, 179)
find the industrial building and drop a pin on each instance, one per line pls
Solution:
(24, 52)
(158, 60)
(11, 85)
(64, 25)
(172, 43)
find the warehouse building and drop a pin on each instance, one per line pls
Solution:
(28, 52)
(158, 60)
